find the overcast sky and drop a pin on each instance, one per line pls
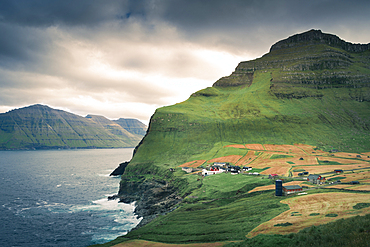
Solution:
(127, 58)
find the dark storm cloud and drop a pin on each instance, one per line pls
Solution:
(141, 53)
(258, 23)
(65, 12)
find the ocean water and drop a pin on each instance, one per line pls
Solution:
(59, 197)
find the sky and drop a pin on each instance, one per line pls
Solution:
(125, 59)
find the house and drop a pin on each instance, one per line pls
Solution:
(316, 179)
(221, 164)
(233, 169)
(187, 169)
(272, 176)
(288, 189)
(212, 171)
(234, 172)
(338, 170)
(247, 168)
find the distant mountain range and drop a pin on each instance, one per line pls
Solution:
(41, 127)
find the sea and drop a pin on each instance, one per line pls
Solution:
(60, 197)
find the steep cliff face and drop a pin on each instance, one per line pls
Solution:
(41, 127)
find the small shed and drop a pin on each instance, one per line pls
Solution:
(187, 169)
(272, 176)
(338, 170)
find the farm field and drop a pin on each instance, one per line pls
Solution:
(313, 209)
(290, 160)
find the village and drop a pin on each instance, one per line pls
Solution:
(295, 171)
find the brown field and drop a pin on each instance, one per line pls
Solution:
(351, 187)
(307, 160)
(231, 159)
(254, 146)
(306, 148)
(144, 243)
(341, 160)
(235, 146)
(338, 203)
(272, 186)
(345, 155)
(340, 186)
(248, 158)
(284, 148)
(355, 176)
(327, 168)
(279, 169)
(361, 187)
(364, 187)
(187, 164)
(198, 163)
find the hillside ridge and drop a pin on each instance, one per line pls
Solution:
(317, 36)
(42, 127)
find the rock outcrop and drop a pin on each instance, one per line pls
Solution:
(153, 197)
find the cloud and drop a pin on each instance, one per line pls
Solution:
(130, 57)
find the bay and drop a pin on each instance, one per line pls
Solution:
(59, 197)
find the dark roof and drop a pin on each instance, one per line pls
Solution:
(292, 187)
(313, 176)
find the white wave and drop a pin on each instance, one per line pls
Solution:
(107, 237)
(120, 213)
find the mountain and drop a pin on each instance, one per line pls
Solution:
(310, 93)
(41, 127)
(132, 125)
(307, 89)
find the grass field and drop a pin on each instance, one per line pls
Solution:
(326, 203)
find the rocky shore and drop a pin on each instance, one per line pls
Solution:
(153, 198)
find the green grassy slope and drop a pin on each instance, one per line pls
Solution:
(214, 117)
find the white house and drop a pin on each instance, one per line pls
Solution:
(212, 172)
